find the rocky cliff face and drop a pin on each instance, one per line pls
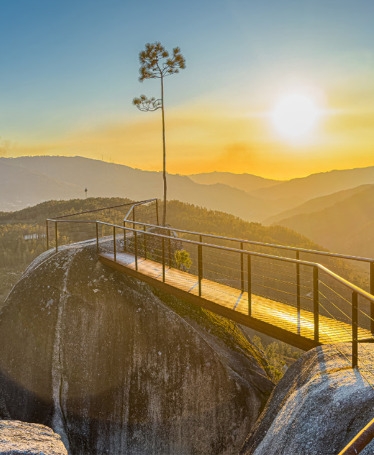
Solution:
(114, 369)
(318, 407)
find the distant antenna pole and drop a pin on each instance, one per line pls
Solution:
(85, 190)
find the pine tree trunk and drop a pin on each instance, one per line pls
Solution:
(163, 152)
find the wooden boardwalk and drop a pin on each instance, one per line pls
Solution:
(272, 318)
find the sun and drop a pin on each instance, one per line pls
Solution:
(295, 115)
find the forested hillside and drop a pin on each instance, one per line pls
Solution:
(191, 217)
(345, 226)
(22, 233)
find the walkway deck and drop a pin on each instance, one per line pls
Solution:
(272, 318)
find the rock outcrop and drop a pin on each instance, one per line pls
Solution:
(21, 438)
(318, 407)
(115, 368)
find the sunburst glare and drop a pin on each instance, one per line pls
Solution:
(295, 115)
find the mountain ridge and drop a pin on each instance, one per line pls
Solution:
(323, 183)
(316, 204)
(26, 181)
(246, 182)
(346, 226)
(68, 177)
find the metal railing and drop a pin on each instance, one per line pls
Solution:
(311, 294)
(131, 211)
(82, 225)
(297, 250)
(306, 285)
(243, 244)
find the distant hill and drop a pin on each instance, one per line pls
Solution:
(245, 182)
(28, 181)
(346, 226)
(294, 192)
(316, 204)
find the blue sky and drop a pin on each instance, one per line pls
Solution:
(71, 67)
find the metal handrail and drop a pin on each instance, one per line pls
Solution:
(298, 250)
(102, 208)
(369, 261)
(356, 291)
(270, 245)
(132, 209)
(60, 219)
(56, 221)
(354, 288)
(360, 441)
(337, 277)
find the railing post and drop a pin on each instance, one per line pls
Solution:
(163, 259)
(136, 249)
(133, 217)
(298, 305)
(145, 242)
(124, 236)
(169, 248)
(114, 244)
(241, 268)
(47, 233)
(316, 304)
(56, 236)
(372, 293)
(249, 279)
(97, 237)
(200, 264)
(354, 329)
(158, 223)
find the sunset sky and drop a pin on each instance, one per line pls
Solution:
(69, 72)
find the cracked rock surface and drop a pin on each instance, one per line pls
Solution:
(115, 367)
(319, 405)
